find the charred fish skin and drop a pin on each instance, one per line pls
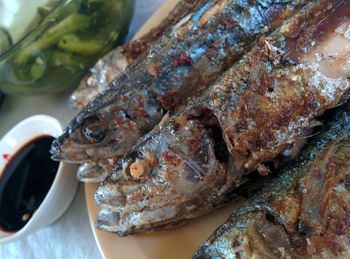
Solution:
(186, 59)
(115, 62)
(297, 75)
(135, 48)
(181, 171)
(301, 212)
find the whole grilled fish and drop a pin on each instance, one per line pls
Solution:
(301, 213)
(115, 62)
(184, 60)
(254, 114)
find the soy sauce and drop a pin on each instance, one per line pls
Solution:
(25, 182)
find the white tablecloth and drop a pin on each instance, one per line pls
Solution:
(71, 235)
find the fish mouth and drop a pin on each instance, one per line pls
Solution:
(59, 152)
(56, 150)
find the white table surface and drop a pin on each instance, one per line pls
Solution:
(71, 235)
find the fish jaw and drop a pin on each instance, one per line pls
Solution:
(96, 172)
(91, 173)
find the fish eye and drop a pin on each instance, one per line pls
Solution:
(93, 130)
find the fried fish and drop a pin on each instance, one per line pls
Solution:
(257, 112)
(115, 62)
(181, 63)
(301, 212)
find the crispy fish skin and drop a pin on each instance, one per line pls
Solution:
(181, 170)
(274, 94)
(135, 48)
(115, 62)
(184, 61)
(303, 212)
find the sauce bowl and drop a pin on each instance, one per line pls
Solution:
(63, 187)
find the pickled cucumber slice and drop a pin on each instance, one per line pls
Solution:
(67, 60)
(74, 44)
(72, 23)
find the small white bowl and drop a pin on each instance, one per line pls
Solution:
(64, 186)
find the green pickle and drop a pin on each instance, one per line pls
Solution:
(5, 40)
(69, 39)
(72, 43)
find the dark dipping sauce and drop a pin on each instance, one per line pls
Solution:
(25, 182)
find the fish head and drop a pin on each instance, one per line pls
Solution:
(171, 175)
(101, 130)
(94, 137)
(108, 126)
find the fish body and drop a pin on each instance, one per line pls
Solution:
(192, 161)
(273, 95)
(96, 172)
(115, 62)
(182, 62)
(300, 212)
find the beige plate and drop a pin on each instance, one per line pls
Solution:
(177, 243)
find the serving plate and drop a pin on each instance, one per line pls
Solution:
(176, 243)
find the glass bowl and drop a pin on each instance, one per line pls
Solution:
(50, 47)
